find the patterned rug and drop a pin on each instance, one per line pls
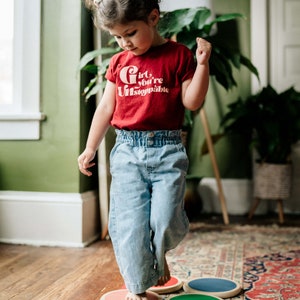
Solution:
(250, 255)
(273, 276)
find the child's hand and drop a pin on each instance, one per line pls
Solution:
(203, 51)
(85, 161)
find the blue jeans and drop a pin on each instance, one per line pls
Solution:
(147, 216)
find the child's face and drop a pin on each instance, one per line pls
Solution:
(136, 36)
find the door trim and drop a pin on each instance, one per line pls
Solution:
(259, 43)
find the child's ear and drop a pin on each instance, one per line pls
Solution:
(153, 17)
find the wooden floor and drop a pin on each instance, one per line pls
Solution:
(46, 273)
(49, 273)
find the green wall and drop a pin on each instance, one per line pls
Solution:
(232, 154)
(50, 164)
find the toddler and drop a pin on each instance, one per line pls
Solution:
(149, 85)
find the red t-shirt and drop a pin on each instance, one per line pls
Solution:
(148, 87)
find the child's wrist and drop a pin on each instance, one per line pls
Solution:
(90, 149)
(203, 64)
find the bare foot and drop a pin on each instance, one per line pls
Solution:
(131, 296)
(166, 277)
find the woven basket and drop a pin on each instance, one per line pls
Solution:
(272, 181)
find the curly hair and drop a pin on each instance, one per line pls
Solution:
(108, 13)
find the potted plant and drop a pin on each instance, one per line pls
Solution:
(271, 125)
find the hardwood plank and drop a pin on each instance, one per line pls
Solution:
(64, 287)
(36, 276)
(57, 273)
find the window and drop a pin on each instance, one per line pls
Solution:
(20, 116)
(6, 53)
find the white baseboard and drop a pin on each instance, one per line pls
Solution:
(49, 219)
(237, 192)
(239, 197)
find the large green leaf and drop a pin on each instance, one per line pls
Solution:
(201, 18)
(97, 87)
(223, 18)
(248, 64)
(188, 37)
(89, 56)
(220, 67)
(173, 22)
(91, 68)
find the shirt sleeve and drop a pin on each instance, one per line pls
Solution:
(110, 73)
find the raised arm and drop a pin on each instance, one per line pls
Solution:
(195, 89)
(98, 129)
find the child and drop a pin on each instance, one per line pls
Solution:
(149, 85)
